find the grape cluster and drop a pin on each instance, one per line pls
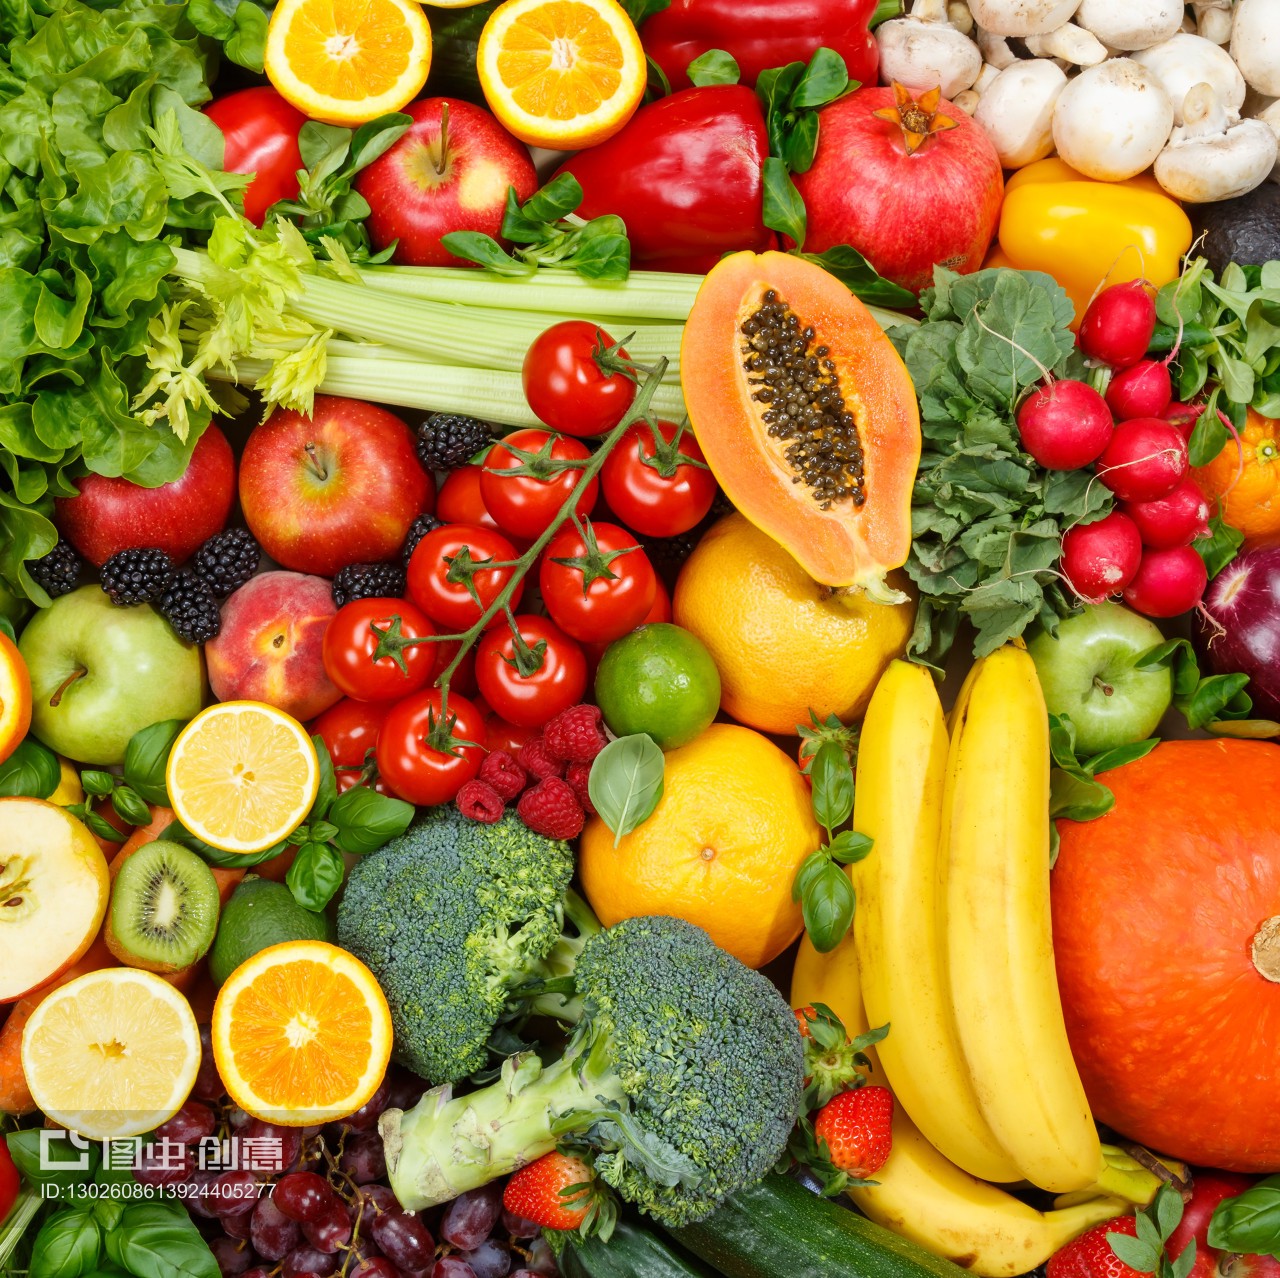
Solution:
(328, 1212)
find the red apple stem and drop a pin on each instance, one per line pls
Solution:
(313, 461)
(78, 673)
(441, 159)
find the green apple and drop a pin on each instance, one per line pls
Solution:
(100, 673)
(1087, 672)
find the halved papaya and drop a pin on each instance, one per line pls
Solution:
(806, 415)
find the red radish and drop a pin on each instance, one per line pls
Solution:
(1146, 459)
(1141, 390)
(1176, 519)
(1167, 583)
(1117, 327)
(1064, 425)
(1182, 417)
(1099, 559)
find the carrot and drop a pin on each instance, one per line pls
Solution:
(161, 818)
(103, 808)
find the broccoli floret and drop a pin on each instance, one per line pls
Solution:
(452, 918)
(685, 1074)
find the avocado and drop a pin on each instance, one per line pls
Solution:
(1245, 230)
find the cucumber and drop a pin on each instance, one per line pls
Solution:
(455, 37)
(778, 1229)
(632, 1252)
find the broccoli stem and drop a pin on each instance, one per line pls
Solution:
(444, 1146)
(558, 1000)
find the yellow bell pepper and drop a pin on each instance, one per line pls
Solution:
(1083, 232)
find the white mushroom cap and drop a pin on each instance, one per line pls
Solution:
(1255, 43)
(1210, 158)
(1016, 111)
(923, 54)
(1131, 24)
(1270, 116)
(1022, 17)
(1070, 43)
(1184, 60)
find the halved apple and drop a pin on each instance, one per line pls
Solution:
(54, 886)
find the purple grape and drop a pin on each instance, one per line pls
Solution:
(274, 1234)
(238, 1117)
(369, 1200)
(304, 1197)
(470, 1218)
(208, 1086)
(192, 1123)
(329, 1232)
(363, 1158)
(403, 1239)
(489, 1260)
(198, 1198)
(307, 1262)
(276, 1157)
(234, 1193)
(525, 1273)
(160, 1166)
(366, 1117)
(233, 1258)
(404, 1090)
(452, 1267)
(237, 1227)
(377, 1267)
(542, 1259)
(519, 1226)
(258, 1271)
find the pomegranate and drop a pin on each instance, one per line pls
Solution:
(908, 182)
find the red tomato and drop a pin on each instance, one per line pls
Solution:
(464, 677)
(349, 730)
(449, 602)
(9, 1181)
(612, 605)
(459, 500)
(523, 505)
(506, 736)
(530, 700)
(261, 132)
(661, 611)
(362, 628)
(414, 752)
(565, 385)
(662, 497)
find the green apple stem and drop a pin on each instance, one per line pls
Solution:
(1105, 688)
(78, 673)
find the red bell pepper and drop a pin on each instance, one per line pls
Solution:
(684, 174)
(762, 34)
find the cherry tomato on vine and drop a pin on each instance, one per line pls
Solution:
(530, 700)
(459, 500)
(660, 611)
(442, 553)
(605, 595)
(261, 132)
(506, 736)
(524, 505)
(650, 489)
(349, 730)
(421, 757)
(565, 385)
(364, 649)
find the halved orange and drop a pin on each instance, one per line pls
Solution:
(348, 61)
(301, 1034)
(562, 74)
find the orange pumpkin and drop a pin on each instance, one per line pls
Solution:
(1166, 927)
(1247, 478)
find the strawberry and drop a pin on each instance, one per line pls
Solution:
(537, 1192)
(1090, 1255)
(856, 1127)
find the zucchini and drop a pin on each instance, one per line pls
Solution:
(455, 37)
(632, 1252)
(778, 1229)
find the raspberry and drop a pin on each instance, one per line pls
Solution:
(577, 775)
(575, 734)
(479, 801)
(537, 761)
(502, 773)
(552, 809)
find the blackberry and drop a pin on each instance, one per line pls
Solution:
(417, 531)
(667, 554)
(57, 572)
(448, 440)
(227, 560)
(191, 608)
(368, 581)
(136, 576)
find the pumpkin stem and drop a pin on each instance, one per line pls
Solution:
(1266, 950)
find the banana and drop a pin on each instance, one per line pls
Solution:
(1003, 985)
(919, 1194)
(898, 925)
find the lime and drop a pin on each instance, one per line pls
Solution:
(659, 679)
(261, 913)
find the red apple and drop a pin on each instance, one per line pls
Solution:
(116, 514)
(1210, 1188)
(341, 486)
(450, 172)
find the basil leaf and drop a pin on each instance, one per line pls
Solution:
(832, 780)
(315, 876)
(146, 757)
(176, 832)
(827, 907)
(31, 771)
(107, 1212)
(850, 847)
(97, 783)
(376, 137)
(159, 1240)
(639, 10)
(328, 790)
(1074, 798)
(366, 820)
(68, 1245)
(102, 827)
(784, 209)
(861, 278)
(1119, 755)
(626, 783)
(822, 81)
(1209, 436)
(129, 807)
(800, 144)
(1219, 548)
(714, 67)
(62, 1162)
(1249, 1224)
(811, 868)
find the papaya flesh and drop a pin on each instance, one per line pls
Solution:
(805, 414)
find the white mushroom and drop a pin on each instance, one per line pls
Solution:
(1132, 24)
(1210, 157)
(1112, 120)
(1270, 116)
(1255, 43)
(960, 17)
(1213, 20)
(1071, 43)
(1016, 111)
(969, 99)
(1022, 17)
(1184, 60)
(924, 50)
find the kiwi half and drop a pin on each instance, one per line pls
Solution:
(164, 908)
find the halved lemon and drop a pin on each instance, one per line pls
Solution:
(111, 1054)
(301, 1034)
(242, 775)
(348, 61)
(562, 74)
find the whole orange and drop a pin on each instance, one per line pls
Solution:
(720, 850)
(1247, 478)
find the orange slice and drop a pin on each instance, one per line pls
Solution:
(301, 1034)
(348, 61)
(563, 74)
